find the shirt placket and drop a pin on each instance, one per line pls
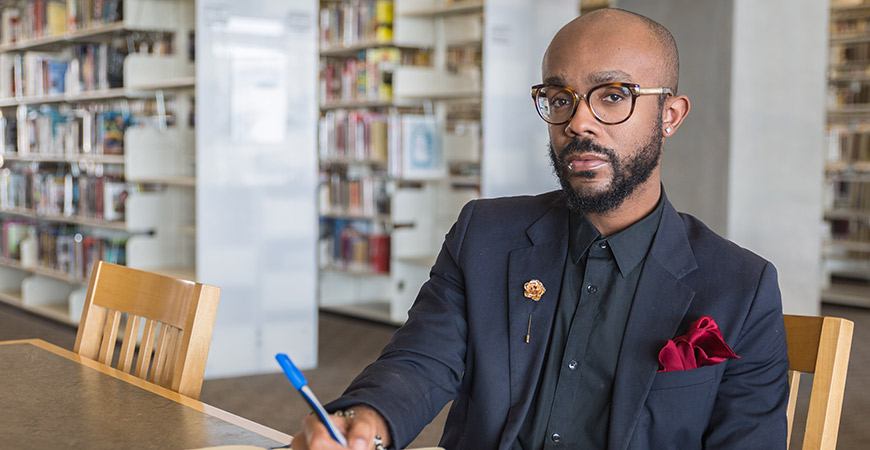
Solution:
(571, 368)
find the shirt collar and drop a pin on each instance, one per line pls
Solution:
(630, 246)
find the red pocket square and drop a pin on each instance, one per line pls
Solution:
(701, 346)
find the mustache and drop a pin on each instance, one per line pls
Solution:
(578, 146)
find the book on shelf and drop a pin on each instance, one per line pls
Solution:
(352, 194)
(115, 194)
(10, 133)
(848, 144)
(350, 23)
(850, 53)
(368, 76)
(60, 190)
(96, 128)
(14, 231)
(409, 144)
(62, 248)
(420, 156)
(853, 93)
(40, 73)
(852, 196)
(850, 26)
(357, 135)
(10, 24)
(88, 13)
(27, 20)
(83, 67)
(112, 125)
(72, 251)
(354, 245)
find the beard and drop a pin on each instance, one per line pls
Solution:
(628, 173)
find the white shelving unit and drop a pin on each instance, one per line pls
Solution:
(489, 134)
(158, 225)
(421, 210)
(846, 251)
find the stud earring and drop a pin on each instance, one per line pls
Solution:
(668, 130)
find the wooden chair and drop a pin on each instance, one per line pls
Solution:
(178, 321)
(821, 346)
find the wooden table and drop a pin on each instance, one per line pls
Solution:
(53, 398)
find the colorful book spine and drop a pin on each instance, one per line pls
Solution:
(354, 245)
(356, 22)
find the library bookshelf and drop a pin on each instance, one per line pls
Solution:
(846, 258)
(97, 145)
(399, 145)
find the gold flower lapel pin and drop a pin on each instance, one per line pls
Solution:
(534, 289)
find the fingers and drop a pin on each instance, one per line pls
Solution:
(365, 424)
(359, 424)
(361, 434)
(315, 436)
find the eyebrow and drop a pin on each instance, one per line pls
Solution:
(555, 81)
(607, 76)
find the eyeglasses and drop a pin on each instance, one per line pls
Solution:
(609, 103)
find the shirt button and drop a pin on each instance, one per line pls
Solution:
(591, 288)
(572, 364)
(555, 437)
(602, 245)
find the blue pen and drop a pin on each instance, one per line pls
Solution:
(301, 385)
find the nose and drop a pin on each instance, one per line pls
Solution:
(584, 123)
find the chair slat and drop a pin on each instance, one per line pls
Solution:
(128, 348)
(794, 378)
(160, 354)
(829, 383)
(144, 361)
(171, 353)
(110, 337)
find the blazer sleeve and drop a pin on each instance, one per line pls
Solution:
(421, 369)
(750, 407)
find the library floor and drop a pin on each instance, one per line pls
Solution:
(347, 345)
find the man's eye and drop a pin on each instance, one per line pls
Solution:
(560, 102)
(613, 97)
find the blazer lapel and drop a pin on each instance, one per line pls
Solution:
(658, 309)
(543, 261)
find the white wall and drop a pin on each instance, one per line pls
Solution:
(778, 146)
(256, 121)
(749, 159)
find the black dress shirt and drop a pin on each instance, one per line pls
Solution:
(571, 408)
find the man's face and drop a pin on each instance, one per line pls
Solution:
(598, 165)
(625, 173)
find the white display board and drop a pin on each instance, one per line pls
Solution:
(515, 160)
(256, 171)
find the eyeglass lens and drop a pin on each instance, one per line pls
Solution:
(610, 104)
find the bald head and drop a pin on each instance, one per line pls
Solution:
(620, 30)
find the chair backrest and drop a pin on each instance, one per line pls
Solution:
(178, 318)
(821, 346)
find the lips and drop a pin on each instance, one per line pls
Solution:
(586, 162)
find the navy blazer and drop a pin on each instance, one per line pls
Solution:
(465, 338)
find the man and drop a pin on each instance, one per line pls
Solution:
(548, 320)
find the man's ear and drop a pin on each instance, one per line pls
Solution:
(675, 110)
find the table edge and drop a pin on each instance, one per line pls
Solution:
(214, 411)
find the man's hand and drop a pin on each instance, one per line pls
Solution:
(359, 427)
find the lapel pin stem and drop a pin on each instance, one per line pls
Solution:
(529, 331)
